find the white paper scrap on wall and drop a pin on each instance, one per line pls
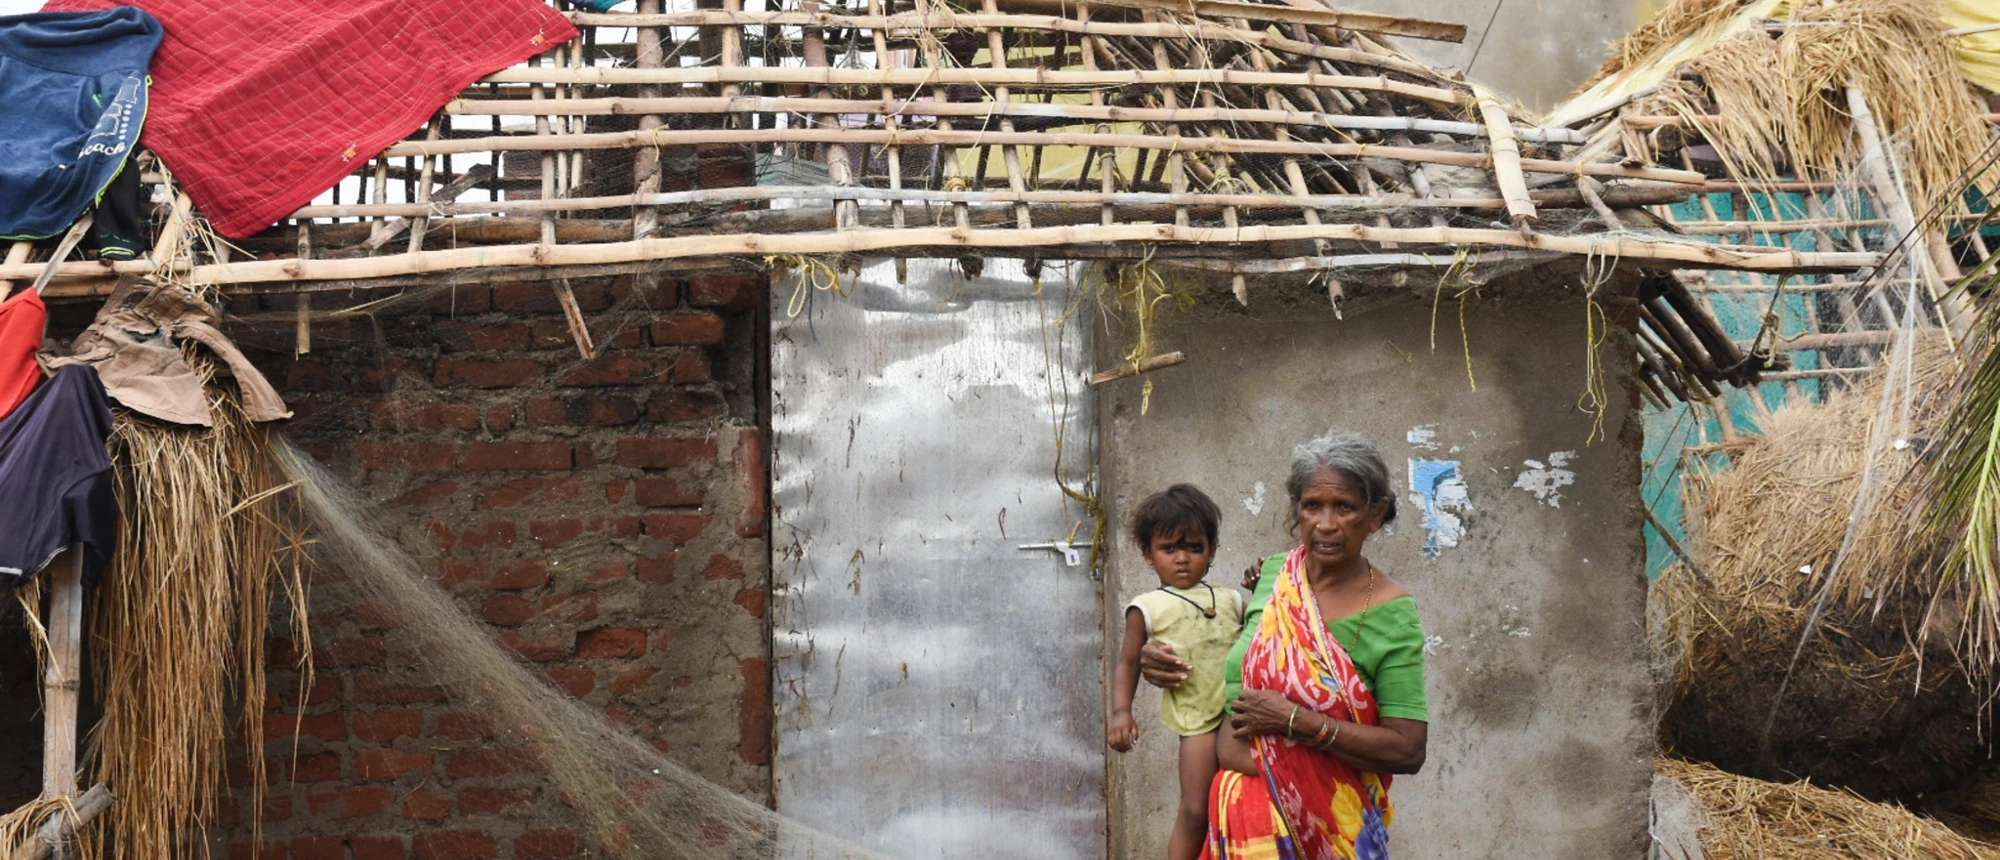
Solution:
(1546, 480)
(1254, 503)
(1424, 436)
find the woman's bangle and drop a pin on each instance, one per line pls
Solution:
(1290, 720)
(1327, 745)
(1319, 737)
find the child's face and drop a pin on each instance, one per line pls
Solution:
(1180, 559)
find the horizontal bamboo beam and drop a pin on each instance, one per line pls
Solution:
(928, 137)
(1441, 262)
(1147, 365)
(929, 107)
(959, 240)
(1026, 76)
(60, 827)
(945, 21)
(1368, 22)
(1644, 195)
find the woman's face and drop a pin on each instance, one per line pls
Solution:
(1335, 519)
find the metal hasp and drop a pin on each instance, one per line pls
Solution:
(939, 692)
(1071, 558)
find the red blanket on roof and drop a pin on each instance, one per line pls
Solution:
(260, 106)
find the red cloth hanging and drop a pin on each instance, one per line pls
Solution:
(23, 322)
(260, 106)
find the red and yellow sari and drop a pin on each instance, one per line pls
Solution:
(1306, 805)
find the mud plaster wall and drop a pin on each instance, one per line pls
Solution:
(1541, 729)
(597, 516)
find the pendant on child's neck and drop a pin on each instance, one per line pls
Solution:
(1208, 613)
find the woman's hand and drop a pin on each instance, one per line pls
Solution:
(1124, 731)
(1262, 712)
(1251, 574)
(1159, 666)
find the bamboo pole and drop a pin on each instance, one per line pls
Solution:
(17, 254)
(1365, 21)
(1552, 199)
(941, 136)
(1877, 171)
(649, 58)
(1010, 156)
(894, 154)
(1107, 160)
(59, 827)
(1627, 247)
(1025, 77)
(839, 167)
(62, 679)
(1506, 156)
(1134, 368)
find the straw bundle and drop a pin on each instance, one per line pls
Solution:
(1749, 114)
(178, 626)
(1667, 28)
(1756, 820)
(1865, 708)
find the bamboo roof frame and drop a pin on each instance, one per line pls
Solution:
(1224, 136)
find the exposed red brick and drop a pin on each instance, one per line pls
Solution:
(498, 533)
(507, 610)
(374, 688)
(555, 533)
(537, 844)
(615, 491)
(687, 329)
(326, 727)
(576, 682)
(364, 800)
(492, 801)
(690, 368)
(454, 845)
(538, 650)
(515, 577)
(487, 373)
(604, 410)
(417, 456)
(319, 848)
(627, 683)
(679, 528)
(655, 569)
(452, 572)
(525, 490)
(499, 418)
(385, 726)
(424, 804)
(430, 492)
(459, 299)
(505, 337)
(752, 600)
(540, 296)
(722, 567)
(492, 761)
(324, 767)
(611, 642)
(619, 368)
(517, 457)
(459, 726)
(753, 713)
(733, 292)
(578, 608)
(660, 491)
(398, 415)
(685, 405)
(390, 763)
(665, 453)
(346, 653)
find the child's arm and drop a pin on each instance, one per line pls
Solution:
(1125, 681)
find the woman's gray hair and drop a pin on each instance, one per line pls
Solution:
(1353, 458)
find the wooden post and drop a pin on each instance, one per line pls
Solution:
(62, 679)
(1875, 170)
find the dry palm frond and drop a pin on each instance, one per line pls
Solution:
(1961, 509)
(178, 631)
(1896, 52)
(1749, 819)
(1668, 27)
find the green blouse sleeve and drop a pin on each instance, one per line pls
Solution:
(1389, 652)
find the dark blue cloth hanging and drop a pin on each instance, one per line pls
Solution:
(55, 477)
(72, 100)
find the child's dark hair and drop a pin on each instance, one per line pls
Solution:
(1181, 508)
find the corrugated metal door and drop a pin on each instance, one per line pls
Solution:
(938, 688)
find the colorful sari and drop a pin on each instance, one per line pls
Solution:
(1305, 805)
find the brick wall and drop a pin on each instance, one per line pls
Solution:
(603, 518)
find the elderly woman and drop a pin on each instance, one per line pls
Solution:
(1327, 681)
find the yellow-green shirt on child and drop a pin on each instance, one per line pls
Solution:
(1177, 616)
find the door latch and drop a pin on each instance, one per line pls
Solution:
(1071, 557)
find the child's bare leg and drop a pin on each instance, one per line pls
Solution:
(1197, 772)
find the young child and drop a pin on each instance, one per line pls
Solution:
(1176, 531)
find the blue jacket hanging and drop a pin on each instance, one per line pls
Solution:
(74, 87)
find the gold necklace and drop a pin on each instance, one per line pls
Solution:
(1367, 600)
